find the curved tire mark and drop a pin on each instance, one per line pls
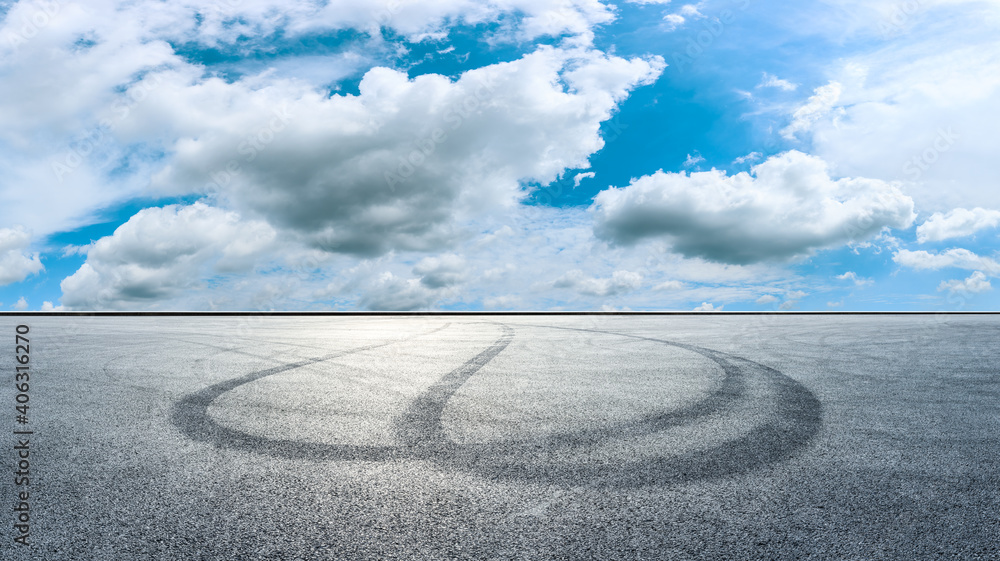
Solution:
(420, 427)
(793, 423)
(190, 415)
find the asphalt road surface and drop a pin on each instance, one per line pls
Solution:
(506, 437)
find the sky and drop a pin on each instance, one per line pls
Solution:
(737, 155)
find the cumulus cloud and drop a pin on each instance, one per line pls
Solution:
(86, 73)
(20, 305)
(977, 283)
(957, 258)
(161, 251)
(821, 103)
(401, 164)
(708, 307)
(74, 65)
(957, 223)
(786, 207)
(16, 264)
(619, 283)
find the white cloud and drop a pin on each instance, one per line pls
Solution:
(977, 283)
(860, 20)
(670, 285)
(57, 125)
(923, 105)
(85, 76)
(498, 273)
(20, 305)
(772, 81)
(226, 22)
(767, 299)
(162, 251)
(619, 283)
(581, 176)
(16, 264)
(751, 157)
(957, 258)
(673, 21)
(419, 19)
(404, 163)
(691, 10)
(501, 268)
(708, 307)
(694, 160)
(818, 106)
(957, 223)
(788, 206)
(853, 277)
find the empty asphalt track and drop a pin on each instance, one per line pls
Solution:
(510, 437)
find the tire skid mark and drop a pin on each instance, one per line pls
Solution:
(190, 415)
(795, 419)
(421, 426)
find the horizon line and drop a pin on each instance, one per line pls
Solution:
(331, 313)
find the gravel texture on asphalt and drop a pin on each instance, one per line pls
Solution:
(508, 437)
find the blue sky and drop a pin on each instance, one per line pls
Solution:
(554, 154)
